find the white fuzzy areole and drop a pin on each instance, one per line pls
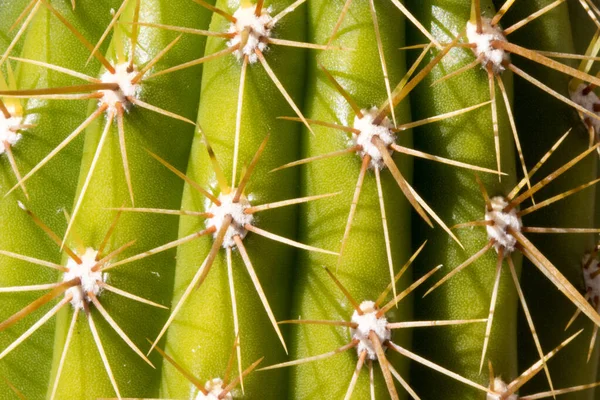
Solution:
(239, 217)
(490, 55)
(258, 30)
(9, 129)
(123, 78)
(502, 221)
(500, 388)
(366, 323)
(367, 131)
(587, 101)
(214, 387)
(592, 285)
(89, 279)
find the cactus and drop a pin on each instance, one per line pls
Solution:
(299, 199)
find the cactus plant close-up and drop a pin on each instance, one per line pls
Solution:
(309, 199)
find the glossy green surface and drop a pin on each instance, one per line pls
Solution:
(50, 190)
(363, 268)
(203, 330)
(11, 9)
(201, 337)
(456, 195)
(552, 310)
(153, 186)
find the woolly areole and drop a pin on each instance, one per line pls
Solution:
(592, 284)
(250, 31)
(236, 210)
(587, 99)
(500, 388)
(123, 78)
(9, 131)
(483, 42)
(502, 222)
(366, 323)
(368, 130)
(89, 279)
(214, 387)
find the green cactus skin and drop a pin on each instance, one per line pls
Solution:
(203, 330)
(154, 186)
(540, 131)
(457, 196)
(295, 284)
(49, 191)
(363, 267)
(582, 27)
(10, 12)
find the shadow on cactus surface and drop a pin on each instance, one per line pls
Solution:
(122, 120)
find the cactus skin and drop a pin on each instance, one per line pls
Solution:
(551, 310)
(204, 327)
(10, 12)
(363, 268)
(455, 194)
(450, 192)
(50, 191)
(154, 186)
